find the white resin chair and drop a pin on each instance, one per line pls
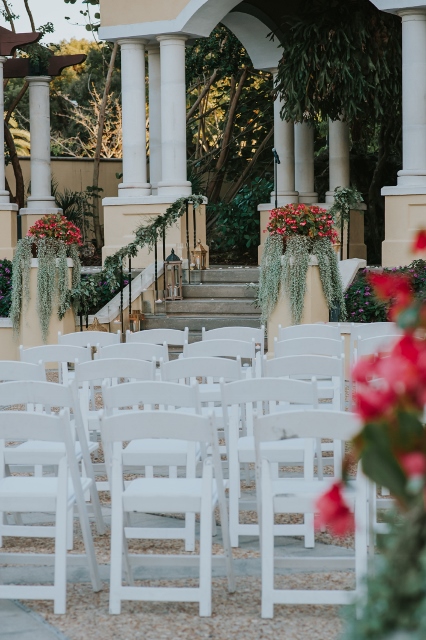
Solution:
(309, 346)
(226, 349)
(267, 395)
(293, 495)
(164, 495)
(308, 331)
(60, 354)
(42, 395)
(246, 334)
(173, 337)
(150, 453)
(88, 375)
(89, 338)
(135, 351)
(58, 495)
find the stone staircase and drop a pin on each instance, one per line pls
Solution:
(217, 297)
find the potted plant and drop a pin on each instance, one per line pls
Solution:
(391, 446)
(50, 248)
(299, 236)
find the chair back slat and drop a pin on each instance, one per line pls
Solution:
(55, 353)
(246, 334)
(185, 369)
(135, 351)
(21, 425)
(89, 338)
(270, 390)
(302, 365)
(369, 346)
(222, 348)
(173, 337)
(333, 425)
(11, 370)
(168, 394)
(100, 369)
(309, 346)
(308, 331)
(47, 394)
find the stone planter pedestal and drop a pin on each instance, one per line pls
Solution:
(315, 308)
(8, 230)
(30, 331)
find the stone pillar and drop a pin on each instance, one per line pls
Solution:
(135, 183)
(338, 149)
(40, 202)
(154, 72)
(8, 211)
(173, 117)
(405, 204)
(304, 162)
(284, 145)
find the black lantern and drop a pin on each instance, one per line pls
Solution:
(173, 277)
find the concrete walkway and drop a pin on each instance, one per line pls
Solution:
(17, 622)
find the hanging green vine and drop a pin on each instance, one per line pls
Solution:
(52, 279)
(86, 294)
(290, 269)
(345, 200)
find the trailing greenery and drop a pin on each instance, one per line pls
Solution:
(290, 270)
(87, 294)
(52, 279)
(363, 306)
(345, 199)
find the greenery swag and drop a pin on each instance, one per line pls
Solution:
(345, 200)
(52, 268)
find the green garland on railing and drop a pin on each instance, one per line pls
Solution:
(86, 295)
(52, 279)
(345, 200)
(289, 270)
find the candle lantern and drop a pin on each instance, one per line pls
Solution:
(198, 256)
(173, 277)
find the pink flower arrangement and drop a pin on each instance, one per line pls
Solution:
(58, 227)
(303, 220)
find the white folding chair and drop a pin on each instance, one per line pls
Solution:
(239, 401)
(44, 395)
(59, 494)
(88, 375)
(246, 334)
(60, 354)
(89, 338)
(170, 397)
(164, 495)
(308, 331)
(173, 337)
(226, 349)
(135, 351)
(309, 346)
(293, 495)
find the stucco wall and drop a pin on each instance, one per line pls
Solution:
(115, 13)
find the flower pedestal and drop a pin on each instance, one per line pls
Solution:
(30, 330)
(315, 308)
(8, 230)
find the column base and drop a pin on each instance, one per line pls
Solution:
(178, 189)
(308, 198)
(134, 190)
(8, 230)
(4, 197)
(30, 215)
(285, 197)
(405, 214)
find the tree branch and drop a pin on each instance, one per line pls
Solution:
(16, 101)
(30, 15)
(205, 90)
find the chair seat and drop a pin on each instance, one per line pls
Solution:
(43, 453)
(24, 494)
(294, 449)
(299, 496)
(158, 452)
(172, 495)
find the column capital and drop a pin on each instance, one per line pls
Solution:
(412, 14)
(3, 59)
(43, 80)
(171, 36)
(153, 48)
(126, 42)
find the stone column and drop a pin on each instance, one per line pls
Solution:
(154, 72)
(173, 117)
(41, 175)
(413, 98)
(135, 183)
(338, 149)
(8, 211)
(304, 162)
(284, 145)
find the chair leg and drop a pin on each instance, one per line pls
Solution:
(233, 504)
(266, 525)
(189, 531)
(60, 579)
(310, 531)
(206, 518)
(116, 568)
(70, 529)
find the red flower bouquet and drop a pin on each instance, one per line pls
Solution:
(302, 220)
(57, 227)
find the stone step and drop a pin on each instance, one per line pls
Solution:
(226, 274)
(195, 324)
(213, 307)
(218, 291)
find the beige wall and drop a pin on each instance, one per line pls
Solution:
(404, 216)
(131, 12)
(75, 174)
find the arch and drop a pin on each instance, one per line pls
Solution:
(253, 35)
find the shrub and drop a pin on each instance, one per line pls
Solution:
(5, 287)
(363, 306)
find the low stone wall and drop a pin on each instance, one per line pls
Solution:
(9, 347)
